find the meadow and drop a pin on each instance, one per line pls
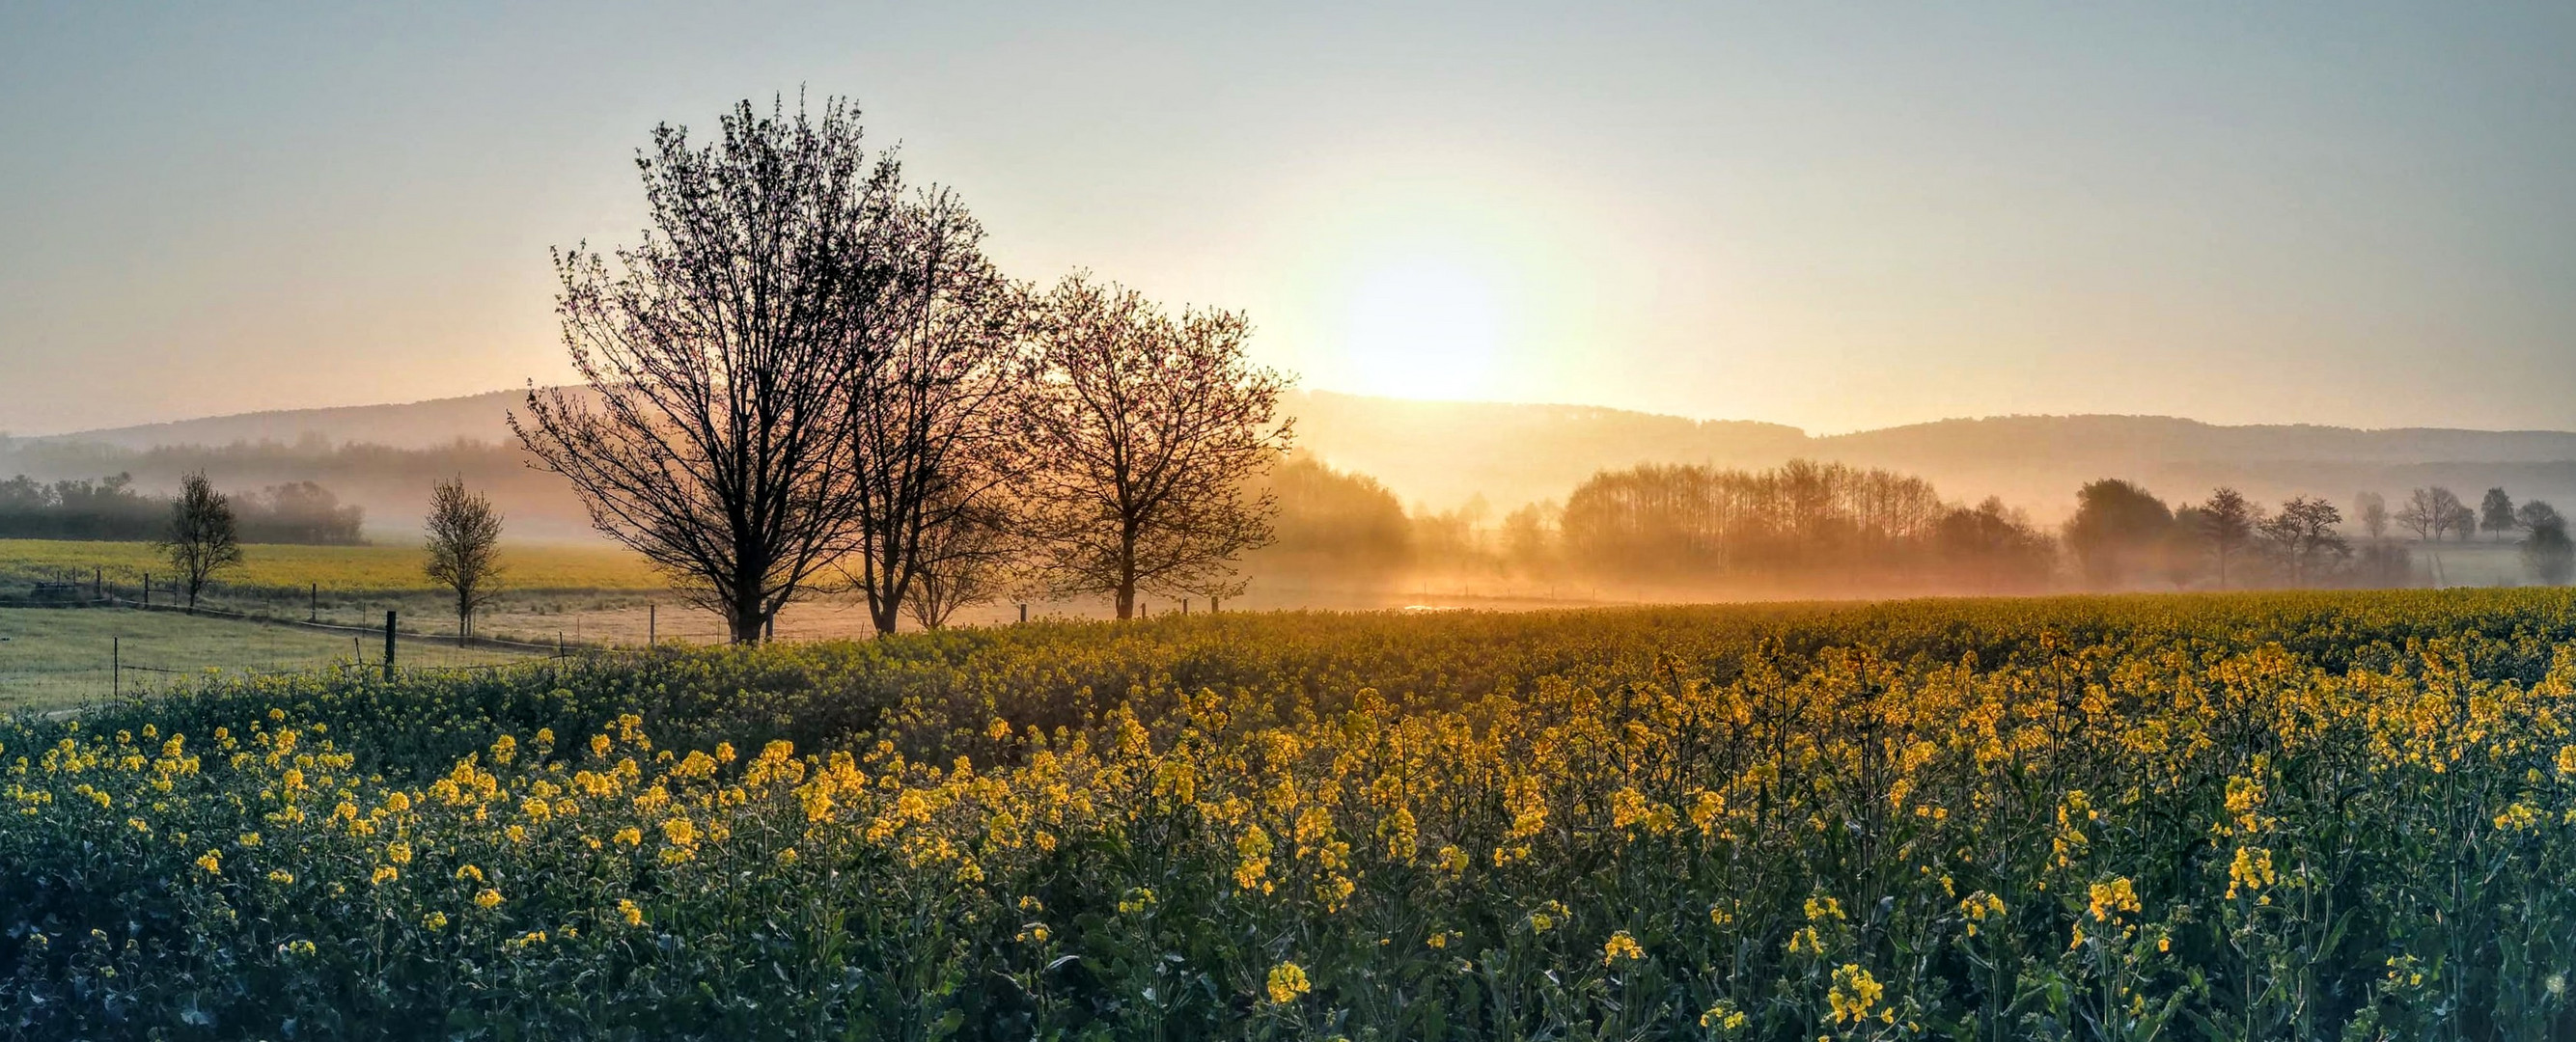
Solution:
(2244, 816)
(289, 567)
(53, 658)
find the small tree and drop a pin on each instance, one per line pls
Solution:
(2116, 524)
(464, 547)
(2304, 535)
(2420, 516)
(2371, 510)
(203, 538)
(2495, 513)
(2227, 520)
(966, 560)
(2535, 513)
(1145, 431)
(2547, 553)
(2448, 513)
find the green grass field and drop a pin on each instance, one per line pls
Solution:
(394, 567)
(53, 658)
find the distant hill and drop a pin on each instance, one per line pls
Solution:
(1438, 453)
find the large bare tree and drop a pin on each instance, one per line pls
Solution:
(464, 548)
(712, 435)
(928, 450)
(1146, 429)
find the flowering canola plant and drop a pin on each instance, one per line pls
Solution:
(2088, 817)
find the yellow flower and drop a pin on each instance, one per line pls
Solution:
(398, 852)
(627, 910)
(1287, 982)
(1620, 946)
(211, 863)
(280, 876)
(434, 921)
(487, 899)
(469, 873)
(629, 836)
(2109, 899)
(1854, 992)
(385, 874)
(1135, 901)
(1821, 909)
(1723, 1017)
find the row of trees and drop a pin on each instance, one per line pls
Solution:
(2435, 512)
(807, 376)
(1826, 526)
(112, 508)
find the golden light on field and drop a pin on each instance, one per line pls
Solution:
(1424, 327)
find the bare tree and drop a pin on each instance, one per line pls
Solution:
(2371, 510)
(968, 559)
(2304, 535)
(713, 433)
(2227, 520)
(203, 538)
(2420, 515)
(2448, 513)
(928, 450)
(464, 549)
(1146, 429)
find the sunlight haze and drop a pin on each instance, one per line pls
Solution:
(1835, 217)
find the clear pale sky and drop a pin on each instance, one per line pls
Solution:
(1831, 216)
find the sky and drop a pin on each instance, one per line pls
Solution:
(1832, 216)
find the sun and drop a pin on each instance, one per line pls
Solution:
(1424, 327)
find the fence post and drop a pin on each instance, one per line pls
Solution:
(115, 668)
(313, 609)
(389, 645)
(1024, 611)
(147, 589)
(97, 582)
(651, 638)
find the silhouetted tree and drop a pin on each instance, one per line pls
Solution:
(2547, 553)
(2227, 520)
(2535, 513)
(928, 449)
(2371, 510)
(2450, 515)
(2495, 513)
(2421, 515)
(1993, 547)
(968, 558)
(2117, 525)
(1145, 431)
(464, 549)
(2303, 535)
(714, 434)
(1327, 520)
(203, 539)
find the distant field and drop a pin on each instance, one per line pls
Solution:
(389, 567)
(53, 657)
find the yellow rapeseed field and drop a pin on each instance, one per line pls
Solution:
(2258, 816)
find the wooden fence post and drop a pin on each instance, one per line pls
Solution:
(389, 645)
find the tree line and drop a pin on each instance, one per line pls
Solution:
(110, 508)
(807, 377)
(1829, 526)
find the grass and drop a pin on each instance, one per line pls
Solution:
(395, 567)
(55, 658)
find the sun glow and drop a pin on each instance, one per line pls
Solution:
(1424, 328)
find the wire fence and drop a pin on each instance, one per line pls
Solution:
(119, 649)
